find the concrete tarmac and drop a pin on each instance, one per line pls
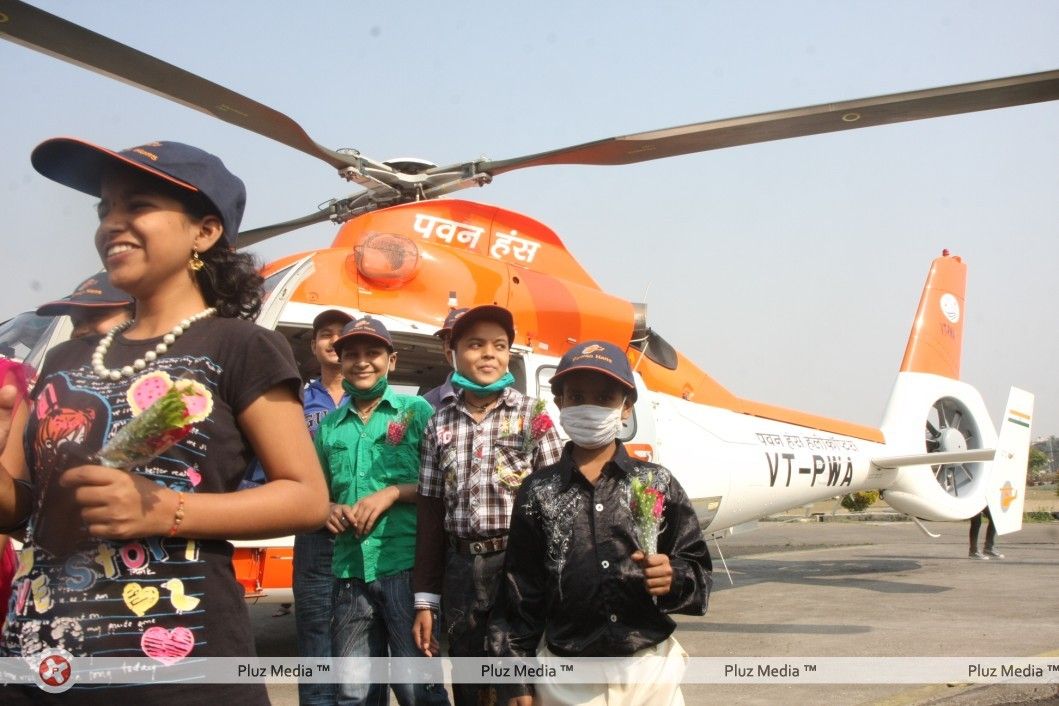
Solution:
(855, 589)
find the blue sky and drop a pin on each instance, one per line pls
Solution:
(790, 271)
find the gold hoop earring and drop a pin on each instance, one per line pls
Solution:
(195, 264)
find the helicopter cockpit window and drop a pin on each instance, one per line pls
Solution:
(20, 335)
(544, 392)
(657, 349)
(272, 281)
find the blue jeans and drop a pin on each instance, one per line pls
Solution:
(313, 592)
(374, 619)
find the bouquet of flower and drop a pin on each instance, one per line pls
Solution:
(166, 412)
(397, 428)
(647, 506)
(16, 373)
(540, 423)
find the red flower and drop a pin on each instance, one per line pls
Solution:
(541, 424)
(397, 428)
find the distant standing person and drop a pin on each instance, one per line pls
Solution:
(988, 552)
(314, 581)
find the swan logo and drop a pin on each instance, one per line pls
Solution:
(1007, 495)
(950, 308)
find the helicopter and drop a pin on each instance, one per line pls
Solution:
(407, 252)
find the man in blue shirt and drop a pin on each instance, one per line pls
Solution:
(313, 578)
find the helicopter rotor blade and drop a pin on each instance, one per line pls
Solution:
(252, 237)
(335, 210)
(46, 33)
(784, 124)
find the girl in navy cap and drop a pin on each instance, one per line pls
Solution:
(136, 565)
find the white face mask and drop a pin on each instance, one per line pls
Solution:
(590, 426)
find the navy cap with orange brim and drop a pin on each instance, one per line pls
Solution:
(82, 165)
(366, 327)
(96, 292)
(599, 357)
(330, 316)
(463, 320)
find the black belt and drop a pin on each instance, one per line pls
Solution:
(478, 546)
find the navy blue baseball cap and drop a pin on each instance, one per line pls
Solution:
(600, 357)
(330, 316)
(463, 319)
(366, 327)
(446, 328)
(96, 292)
(80, 165)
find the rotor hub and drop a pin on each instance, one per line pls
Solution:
(952, 440)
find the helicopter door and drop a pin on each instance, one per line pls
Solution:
(641, 442)
(279, 287)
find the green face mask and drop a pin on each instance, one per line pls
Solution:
(483, 390)
(371, 393)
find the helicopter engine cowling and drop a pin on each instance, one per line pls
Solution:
(930, 414)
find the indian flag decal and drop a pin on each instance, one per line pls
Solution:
(1019, 418)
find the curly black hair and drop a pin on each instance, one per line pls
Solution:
(229, 280)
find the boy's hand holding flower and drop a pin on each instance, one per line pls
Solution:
(657, 572)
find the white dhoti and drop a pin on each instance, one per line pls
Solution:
(651, 677)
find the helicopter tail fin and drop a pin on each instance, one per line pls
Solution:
(936, 340)
(939, 435)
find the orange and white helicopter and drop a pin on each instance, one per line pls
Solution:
(407, 256)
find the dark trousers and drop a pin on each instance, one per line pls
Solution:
(976, 525)
(313, 585)
(374, 619)
(467, 598)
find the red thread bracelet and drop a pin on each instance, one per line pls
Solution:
(178, 516)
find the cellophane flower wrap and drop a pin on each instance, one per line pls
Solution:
(166, 411)
(647, 507)
(540, 423)
(15, 373)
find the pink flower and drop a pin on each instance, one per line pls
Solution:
(539, 425)
(660, 501)
(647, 506)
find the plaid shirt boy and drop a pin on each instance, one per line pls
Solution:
(461, 461)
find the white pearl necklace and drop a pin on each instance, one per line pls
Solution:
(105, 373)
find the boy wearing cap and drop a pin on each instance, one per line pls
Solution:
(313, 578)
(476, 451)
(94, 307)
(445, 392)
(575, 572)
(369, 450)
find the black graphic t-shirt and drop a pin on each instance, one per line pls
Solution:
(162, 600)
